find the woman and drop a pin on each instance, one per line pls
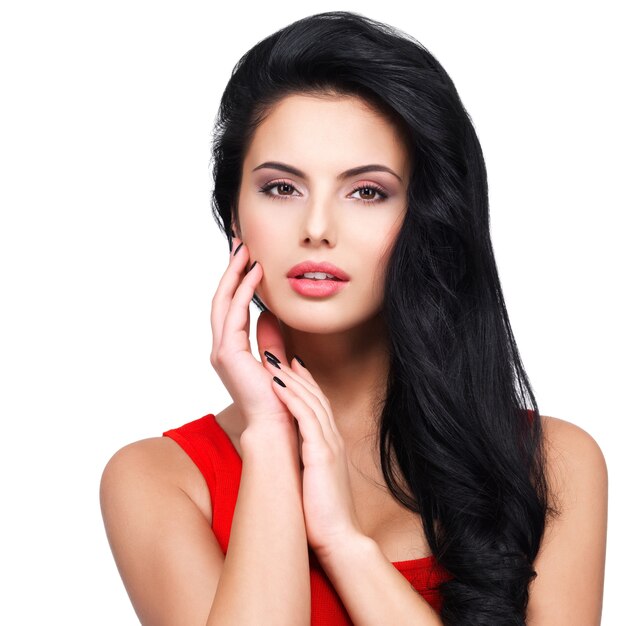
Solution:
(386, 462)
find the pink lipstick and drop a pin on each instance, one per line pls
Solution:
(317, 286)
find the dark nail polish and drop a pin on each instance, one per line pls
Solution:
(237, 249)
(279, 381)
(274, 363)
(297, 358)
(269, 355)
(251, 267)
(232, 232)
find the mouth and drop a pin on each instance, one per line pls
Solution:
(316, 287)
(334, 278)
(318, 270)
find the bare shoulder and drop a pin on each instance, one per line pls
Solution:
(562, 432)
(164, 547)
(570, 564)
(165, 462)
(574, 458)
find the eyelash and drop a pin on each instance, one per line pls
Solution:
(269, 186)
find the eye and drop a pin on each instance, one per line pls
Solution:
(372, 189)
(281, 185)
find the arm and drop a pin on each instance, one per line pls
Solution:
(382, 595)
(168, 556)
(265, 580)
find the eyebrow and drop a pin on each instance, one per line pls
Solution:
(354, 171)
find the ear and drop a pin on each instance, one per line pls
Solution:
(233, 225)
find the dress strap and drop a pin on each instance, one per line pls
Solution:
(210, 448)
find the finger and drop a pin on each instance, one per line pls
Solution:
(306, 378)
(295, 385)
(226, 289)
(310, 425)
(238, 312)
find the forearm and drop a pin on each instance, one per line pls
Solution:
(380, 594)
(265, 578)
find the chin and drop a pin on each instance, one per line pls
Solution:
(331, 323)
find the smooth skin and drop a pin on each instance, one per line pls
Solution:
(154, 499)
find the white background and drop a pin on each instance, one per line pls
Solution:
(109, 255)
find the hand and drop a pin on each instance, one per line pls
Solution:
(329, 512)
(246, 380)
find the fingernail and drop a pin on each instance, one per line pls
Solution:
(269, 355)
(251, 267)
(237, 249)
(297, 358)
(279, 381)
(274, 363)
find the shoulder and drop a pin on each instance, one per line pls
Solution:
(160, 461)
(574, 457)
(168, 556)
(568, 588)
(570, 437)
(576, 470)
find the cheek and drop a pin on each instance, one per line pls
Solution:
(383, 251)
(260, 231)
(263, 219)
(377, 243)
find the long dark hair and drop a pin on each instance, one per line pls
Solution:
(459, 413)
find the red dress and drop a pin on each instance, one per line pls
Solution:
(210, 448)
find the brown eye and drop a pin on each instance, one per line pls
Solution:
(281, 186)
(370, 191)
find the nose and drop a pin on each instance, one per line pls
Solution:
(318, 222)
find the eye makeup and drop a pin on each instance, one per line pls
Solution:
(368, 186)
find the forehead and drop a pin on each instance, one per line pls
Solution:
(340, 131)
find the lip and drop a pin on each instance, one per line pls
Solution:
(318, 266)
(316, 288)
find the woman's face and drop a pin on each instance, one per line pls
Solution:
(319, 213)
